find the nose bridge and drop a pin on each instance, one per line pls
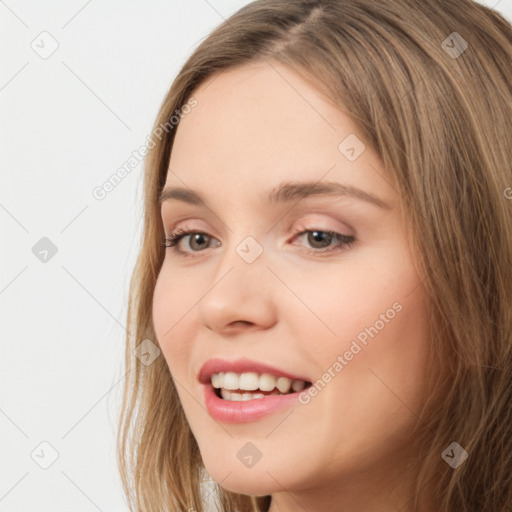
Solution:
(244, 241)
(241, 287)
(244, 261)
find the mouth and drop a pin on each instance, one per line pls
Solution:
(244, 390)
(240, 387)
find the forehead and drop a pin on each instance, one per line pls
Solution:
(258, 125)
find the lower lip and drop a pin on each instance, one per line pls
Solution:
(245, 411)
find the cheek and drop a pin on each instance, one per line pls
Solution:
(368, 401)
(376, 321)
(375, 293)
(170, 305)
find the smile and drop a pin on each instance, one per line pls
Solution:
(244, 390)
(251, 385)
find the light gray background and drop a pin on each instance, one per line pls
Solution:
(68, 122)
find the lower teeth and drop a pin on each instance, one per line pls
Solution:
(239, 396)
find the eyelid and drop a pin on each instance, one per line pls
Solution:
(186, 224)
(345, 239)
(323, 221)
(313, 220)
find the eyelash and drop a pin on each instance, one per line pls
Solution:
(172, 240)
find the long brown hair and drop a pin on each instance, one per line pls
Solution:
(429, 86)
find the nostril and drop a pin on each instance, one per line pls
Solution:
(240, 323)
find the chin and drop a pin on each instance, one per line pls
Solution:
(247, 483)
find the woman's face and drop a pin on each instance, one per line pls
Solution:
(345, 314)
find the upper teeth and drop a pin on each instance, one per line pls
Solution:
(251, 381)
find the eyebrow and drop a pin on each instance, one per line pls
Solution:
(284, 192)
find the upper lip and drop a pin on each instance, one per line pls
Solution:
(242, 365)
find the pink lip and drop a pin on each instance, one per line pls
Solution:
(249, 410)
(239, 366)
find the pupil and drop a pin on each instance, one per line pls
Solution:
(318, 236)
(196, 237)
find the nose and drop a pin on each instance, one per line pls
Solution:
(241, 296)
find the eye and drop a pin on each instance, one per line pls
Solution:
(175, 237)
(320, 240)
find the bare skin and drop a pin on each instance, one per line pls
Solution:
(347, 448)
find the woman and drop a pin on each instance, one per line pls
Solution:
(326, 266)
